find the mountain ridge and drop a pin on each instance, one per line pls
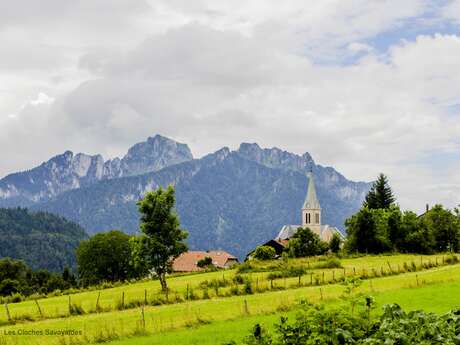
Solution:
(69, 171)
(230, 200)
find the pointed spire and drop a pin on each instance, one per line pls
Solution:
(311, 201)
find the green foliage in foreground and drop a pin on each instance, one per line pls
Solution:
(317, 325)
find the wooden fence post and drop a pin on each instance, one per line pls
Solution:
(321, 293)
(187, 294)
(143, 317)
(8, 315)
(145, 296)
(123, 300)
(246, 309)
(97, 302)
(70, 305)
(323, 277)
(39, 309)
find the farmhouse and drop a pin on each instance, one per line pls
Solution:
(188, 262)
(311, 218)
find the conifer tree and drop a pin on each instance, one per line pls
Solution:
(380, 194)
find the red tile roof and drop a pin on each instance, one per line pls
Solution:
(187, 262)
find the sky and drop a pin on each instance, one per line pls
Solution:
(363, 86)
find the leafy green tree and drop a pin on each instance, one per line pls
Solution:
(306, 243)
(380, 194)
(264, 253)
(417, 238)
(105, 257)
(162, 239)
(13, 269)
(444, 225)
(335, 243)
(396, 233)
(367, 231)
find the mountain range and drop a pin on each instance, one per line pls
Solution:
(230, 200)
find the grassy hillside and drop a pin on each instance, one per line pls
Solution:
(213, 313)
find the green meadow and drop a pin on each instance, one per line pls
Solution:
(433, 285)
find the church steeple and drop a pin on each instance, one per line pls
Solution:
(311, 200)
(311, 210)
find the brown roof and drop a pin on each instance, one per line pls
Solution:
(187, 262)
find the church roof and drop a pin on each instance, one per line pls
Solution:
(311, 201)
(287, 231)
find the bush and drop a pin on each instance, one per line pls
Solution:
(329, 263)
(205, 262)
(316, 325)
(290, 271)
(264, 253)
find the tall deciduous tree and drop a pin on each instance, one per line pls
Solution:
(162, 239)
(380, 194)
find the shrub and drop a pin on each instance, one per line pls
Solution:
(248, 288)
(317, 325)
(76, 309)
(329, 263)
(246, 267)
(238, 279)
(290, 271)
(264, 253)
(205, 262)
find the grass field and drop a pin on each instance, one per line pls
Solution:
(429, 298)
(57, 307)
(218, 315)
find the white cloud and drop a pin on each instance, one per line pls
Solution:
(42, 98)
(452, 11)
(215, 74)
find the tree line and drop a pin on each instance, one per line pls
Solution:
(380, 226)
(111, 256)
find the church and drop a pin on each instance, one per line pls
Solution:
(311, 218)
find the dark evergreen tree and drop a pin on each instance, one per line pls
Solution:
(367, 232)
(380, 194)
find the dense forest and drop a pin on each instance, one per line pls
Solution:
(42, 240)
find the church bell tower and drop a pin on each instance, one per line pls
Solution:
(311, 210)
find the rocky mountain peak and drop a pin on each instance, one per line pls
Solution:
(151, 155)
(69, 171)
(276, 158)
